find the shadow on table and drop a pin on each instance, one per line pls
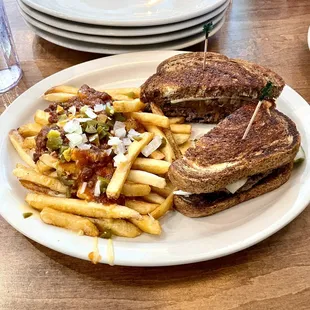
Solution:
(164, 276)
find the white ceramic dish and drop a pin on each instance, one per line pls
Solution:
(183, 240)
(118, 31)
(118, 49)
(123, 41)
(125, 13)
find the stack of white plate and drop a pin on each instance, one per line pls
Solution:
(119, 26)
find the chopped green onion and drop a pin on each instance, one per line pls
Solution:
(63, 148)
(27, 214)
(266, 91)
(163, 143)
(54, 140)
(104, 182)
(119, 117)
(90, 129)
(66, 155)
(106, 234)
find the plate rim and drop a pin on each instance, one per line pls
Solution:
(98, 49)
(122, 41)
(78, 70)
(115, 31)
(128, 23)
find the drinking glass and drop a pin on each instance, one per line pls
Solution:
(10, 71)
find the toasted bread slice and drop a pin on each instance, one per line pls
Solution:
(208, 204)
(221, 157)
(182, 88)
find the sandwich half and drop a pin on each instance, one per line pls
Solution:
(222, 170)
(182, 88)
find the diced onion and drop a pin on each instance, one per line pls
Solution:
(84, 146)
(90, 113)
(72, 126)
(152, 146)
(74, 139)
(98, 107)
(120, 148)
(119, 158)
(84, 137)
(121, 133)
(97, 188)
(233, 187)
(114, 141)
(182, 193)
(83, 187)
(126, 141)
(132, 134)
(72, 110)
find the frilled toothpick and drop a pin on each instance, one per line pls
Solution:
(207, 28)
(266, 92)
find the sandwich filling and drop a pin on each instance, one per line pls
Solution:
(248, 183)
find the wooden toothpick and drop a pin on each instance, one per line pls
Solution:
(264, 93)
(207, 28)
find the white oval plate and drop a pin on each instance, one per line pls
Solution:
(118, 31)
(125, 13)
(184, 240)
(155, 39)
(119, 49)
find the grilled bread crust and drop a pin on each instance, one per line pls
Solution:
(201, 205)
(226, 84)
(221, 156)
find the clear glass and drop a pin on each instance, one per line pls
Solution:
(10, 70)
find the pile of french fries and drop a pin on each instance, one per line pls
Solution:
(142, 180)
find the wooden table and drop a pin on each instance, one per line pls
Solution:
(274, 274)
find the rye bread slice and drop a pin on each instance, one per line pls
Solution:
(211, 94)
(182, 77)
(208, 204)
(221, 156)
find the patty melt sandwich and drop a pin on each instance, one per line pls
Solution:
(222, 170)
(182, 88)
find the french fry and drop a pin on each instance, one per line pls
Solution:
(181, 138)
(80, 207)
(134, 190)
(29, 143)
(128, 93)
(58, 97)
(29, 130)
(141, 206)
(62, 89)
(118, 227)
(69, 221)
(17, 141)
(148, 225)
(163, 208)
(176, 120)
(49, 160)
(185, 146)
(53, 174)
(181, 128)
(31, 175)
(126, 106)
(143, 177)
(40, 189)
(151, 119)
(157, 110)
(154, 198)
(43, 168)
(151, 165)
(165, 192)
(41, 117)
(120, 174)
(157, 155)
(167, 149)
